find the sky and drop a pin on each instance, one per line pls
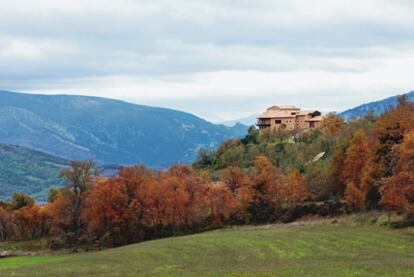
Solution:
(218, 59)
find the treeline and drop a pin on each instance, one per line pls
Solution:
(367, 164)
(140, 204)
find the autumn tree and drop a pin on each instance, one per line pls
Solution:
(294, 189)
(332, 125)
(32, 221)
(115, 208)
(67, 207)
(398, 190)
(269, 197)
(195, 183)
(390, 130)
(356, 164)
(7, 227)
(106, 211)
(241, 186)
(234, 178)
(220, 203)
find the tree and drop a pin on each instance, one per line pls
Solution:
(67, 207)
(354, 197)
(293, 188)
(397, 191)
(332, 125)
(234, 178)
(106, 211)
(220, 202)
(7, 227)
(32, 221)
(390, 130)
(356, 164)
(20, 200)
(52, 195)
(268, 192)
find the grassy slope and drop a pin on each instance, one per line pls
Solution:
(320, 249)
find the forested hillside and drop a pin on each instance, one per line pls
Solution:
(28, 171)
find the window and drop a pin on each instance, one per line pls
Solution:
(277, 121)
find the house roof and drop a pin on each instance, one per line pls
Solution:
(315, 119)
(287, 112)
(277, 114)
(283, 107)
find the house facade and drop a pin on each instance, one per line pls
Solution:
(289, 118)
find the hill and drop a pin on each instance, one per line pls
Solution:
(110, 131)
(34, 172)
(28, 171)
(319, 248)
(378, 107)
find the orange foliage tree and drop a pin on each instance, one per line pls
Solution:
(220, 204)
(294, 189)
(241, 187)
(355, 169)
(390, 130)
(398, 190)
(32, 221)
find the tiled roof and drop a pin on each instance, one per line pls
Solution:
(277, 114)
(316, 118)
(285, 112)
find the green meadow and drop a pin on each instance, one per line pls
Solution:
(315, 248)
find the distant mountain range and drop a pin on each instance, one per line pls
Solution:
(378, 107)
(110, 131)
(247, 121)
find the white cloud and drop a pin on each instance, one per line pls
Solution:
(219, 59)
(15, 49)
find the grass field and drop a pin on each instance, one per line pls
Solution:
(319, 248)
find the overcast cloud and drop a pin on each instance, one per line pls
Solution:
(219, 59)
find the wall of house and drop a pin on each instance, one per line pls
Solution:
(286, 123)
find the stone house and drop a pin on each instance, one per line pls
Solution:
(289, 118)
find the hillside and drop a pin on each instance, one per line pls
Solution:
(378, 107)
(110, 131)
(25, 170)
(340, 247)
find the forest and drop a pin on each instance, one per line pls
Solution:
(358, 165)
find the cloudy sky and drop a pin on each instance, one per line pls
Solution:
(219, 59)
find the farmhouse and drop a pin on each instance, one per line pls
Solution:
(289, 118)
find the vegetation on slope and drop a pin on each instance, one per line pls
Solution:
(340, 247)
(29, 171)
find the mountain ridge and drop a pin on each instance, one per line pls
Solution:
(110, 131)
(378, 107)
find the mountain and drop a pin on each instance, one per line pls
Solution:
(110, 131)
(378, 107)
(28, 171)
(247, 121)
